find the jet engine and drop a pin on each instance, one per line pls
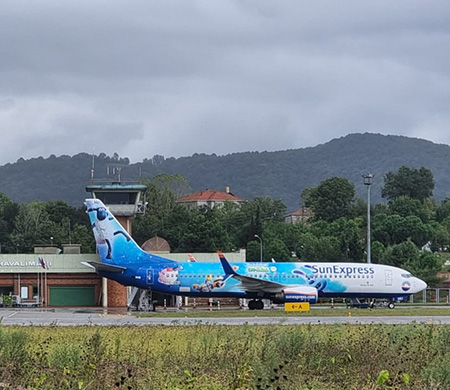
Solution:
(297, 294)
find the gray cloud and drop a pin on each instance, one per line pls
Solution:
(175, 77)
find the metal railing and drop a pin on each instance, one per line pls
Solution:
(432, 295)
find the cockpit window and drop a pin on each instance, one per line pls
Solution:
(407, 275)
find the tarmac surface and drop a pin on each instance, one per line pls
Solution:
(118, 317)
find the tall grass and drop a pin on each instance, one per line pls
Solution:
(313, 357)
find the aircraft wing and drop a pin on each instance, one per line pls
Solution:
(248, 283)
(103, 267)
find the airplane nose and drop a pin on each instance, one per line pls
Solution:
(421, 285)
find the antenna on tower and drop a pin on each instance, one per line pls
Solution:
(92, 167)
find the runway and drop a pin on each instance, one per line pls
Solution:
(75, 317)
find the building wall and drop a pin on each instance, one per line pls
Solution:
(45, 281)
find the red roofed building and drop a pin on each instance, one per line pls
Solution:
(302, 215)
(209, 198)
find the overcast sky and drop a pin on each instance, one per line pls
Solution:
(178, 77)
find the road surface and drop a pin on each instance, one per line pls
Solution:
(73, 317)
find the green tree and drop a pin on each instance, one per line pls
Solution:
(400, 254)
(259, 212)
(8, 213)
(308, 195)
(443, 210)
(425, 266)
(172, 184)
(324, 248)
(332, 199)
(275, 248)
(161, 195)
(205, 232)
(236, 223)
(253, 251)
(32, 226)
(276, 241)
(415, 183)
(440, 236)
(81, 234)
(394, 229)
(404, 206)
(349, 233)
(377, 252)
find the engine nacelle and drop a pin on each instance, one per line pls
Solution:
(298, 294)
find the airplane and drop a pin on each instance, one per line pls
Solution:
(122, 260)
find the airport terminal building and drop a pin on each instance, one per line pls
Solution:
(49, 279)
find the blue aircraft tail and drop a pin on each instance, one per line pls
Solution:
(115, 246)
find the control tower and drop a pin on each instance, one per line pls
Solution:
(124, 201)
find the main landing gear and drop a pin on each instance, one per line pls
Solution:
(255, 305)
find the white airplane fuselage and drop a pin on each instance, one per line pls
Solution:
(121, 259)
(330, 279)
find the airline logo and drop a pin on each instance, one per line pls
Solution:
(342, 270)
(406, 286)
(258, 269)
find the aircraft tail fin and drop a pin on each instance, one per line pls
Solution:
(229, 271)
(115, 246)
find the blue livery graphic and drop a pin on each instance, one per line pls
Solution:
(122, 260)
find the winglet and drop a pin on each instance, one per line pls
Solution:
(191, 258)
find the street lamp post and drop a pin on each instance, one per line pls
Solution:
(368, 182)
(260, 247)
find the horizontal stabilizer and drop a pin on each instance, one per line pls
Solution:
(104, 267)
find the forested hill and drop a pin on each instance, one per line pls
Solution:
(282, 174)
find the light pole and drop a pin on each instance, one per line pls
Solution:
(260, 247)
(368, 182)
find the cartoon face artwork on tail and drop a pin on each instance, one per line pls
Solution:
(106, 230)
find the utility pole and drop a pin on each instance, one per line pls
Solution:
(368, 182)
(260, 247)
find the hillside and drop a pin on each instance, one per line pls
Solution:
(282, 174)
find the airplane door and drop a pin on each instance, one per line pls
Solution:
(150, 276)
(388, 275)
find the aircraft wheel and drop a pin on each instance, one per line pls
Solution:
(391, 305)
(255, 305)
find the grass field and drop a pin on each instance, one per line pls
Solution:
(362, 357)
(316, 312)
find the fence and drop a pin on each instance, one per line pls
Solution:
(432, 295)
